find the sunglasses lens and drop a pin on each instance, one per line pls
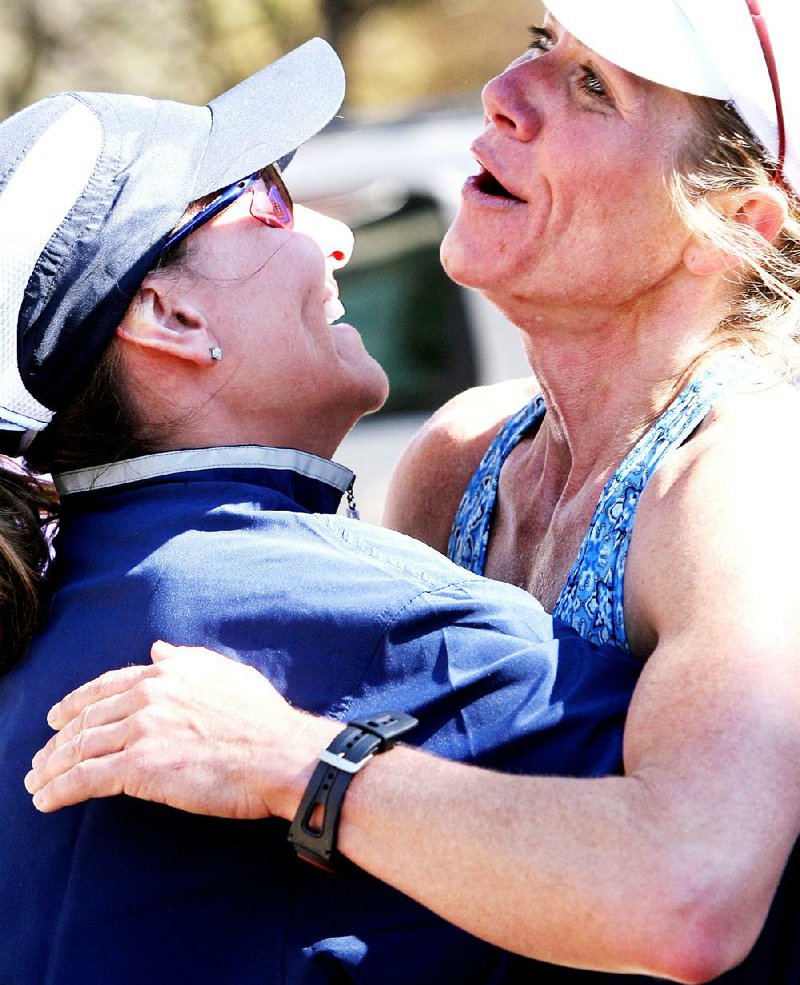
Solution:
(281, 207)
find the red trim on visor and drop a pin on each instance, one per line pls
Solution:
(760, 24)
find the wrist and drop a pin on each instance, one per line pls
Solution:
(294, 761)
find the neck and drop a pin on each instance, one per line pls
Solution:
(321, 439)
(605, 374)
(174, 413)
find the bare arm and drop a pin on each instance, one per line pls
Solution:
(672, 868)
(521, 861)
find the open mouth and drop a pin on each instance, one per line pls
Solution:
(489, 185)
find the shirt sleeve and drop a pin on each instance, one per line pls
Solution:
(494, 680)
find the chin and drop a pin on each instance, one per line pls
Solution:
(376, 390)
(460, 260)
(369, 382)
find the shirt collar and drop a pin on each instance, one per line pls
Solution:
(183, 463)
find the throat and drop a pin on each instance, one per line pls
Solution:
(539, 565)
(536, 532)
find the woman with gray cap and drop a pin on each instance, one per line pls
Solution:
(74, 258)
(636, 214)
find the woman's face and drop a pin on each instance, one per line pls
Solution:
(571, 204)
(270, 297)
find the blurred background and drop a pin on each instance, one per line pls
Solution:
(391, 166)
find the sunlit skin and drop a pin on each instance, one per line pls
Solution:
(585, 148)
(264, 295)
(614, 297)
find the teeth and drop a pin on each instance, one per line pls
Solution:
(334, 309)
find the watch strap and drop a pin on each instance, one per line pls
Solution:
(351, 750)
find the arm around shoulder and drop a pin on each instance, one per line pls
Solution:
(669, 870)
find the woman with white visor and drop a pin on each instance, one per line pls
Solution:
(636, 215)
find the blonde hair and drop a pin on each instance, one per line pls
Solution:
(765, 312)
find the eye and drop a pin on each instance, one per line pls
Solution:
(593, 85)
(541, 39)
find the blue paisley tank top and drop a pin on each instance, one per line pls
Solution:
(591, 601)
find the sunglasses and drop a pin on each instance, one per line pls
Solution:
(271, 205)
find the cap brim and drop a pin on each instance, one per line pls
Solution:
(650, 38)
(269, 115)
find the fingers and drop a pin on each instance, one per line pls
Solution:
(61, 754)
(103, 712)
(92, 778)
(117, 681)
(108, 684)
(100, 729)
(178, 731)
(162, 650)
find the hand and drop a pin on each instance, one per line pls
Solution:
(194, 730)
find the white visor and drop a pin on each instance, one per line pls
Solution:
(707, 48)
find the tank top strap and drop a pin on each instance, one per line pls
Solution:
(592, 600)
(469, 535)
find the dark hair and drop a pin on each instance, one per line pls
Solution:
(27, 509)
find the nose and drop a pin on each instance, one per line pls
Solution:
(507, 102)
(333, 237)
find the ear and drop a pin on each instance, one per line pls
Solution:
(163, 320)
(764, 209)
(761, 207)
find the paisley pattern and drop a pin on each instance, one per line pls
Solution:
(591, 601)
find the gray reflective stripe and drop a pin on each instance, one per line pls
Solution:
(342, 764)
(33, 204)
(201, 459)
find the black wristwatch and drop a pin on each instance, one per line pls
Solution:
(349, 752)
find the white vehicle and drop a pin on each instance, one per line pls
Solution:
(397, 186)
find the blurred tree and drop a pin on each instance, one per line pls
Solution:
(342, 16)
(193, 49)
(27, 28)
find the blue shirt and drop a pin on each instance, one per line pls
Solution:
(240, 549)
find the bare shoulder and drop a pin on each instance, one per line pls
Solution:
(436, 466)
(719, 520)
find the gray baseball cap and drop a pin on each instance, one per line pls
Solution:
(92, 184)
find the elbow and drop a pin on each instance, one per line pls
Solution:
(695, 959)
(703, 930)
